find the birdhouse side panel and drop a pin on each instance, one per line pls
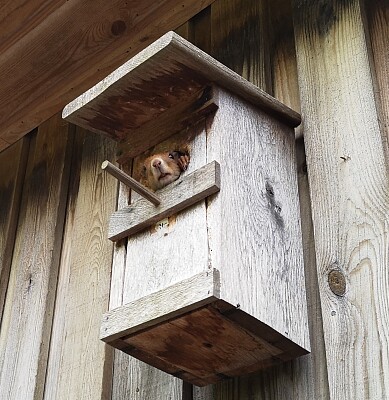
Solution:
(254, 222)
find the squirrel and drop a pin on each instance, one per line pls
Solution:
(161, 169)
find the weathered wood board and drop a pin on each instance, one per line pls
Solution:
(268, 240)
(219, 235)
(28, 312)
(79, 364)
(176, 331)
(63, 48)
(12, 171)
(122, 103)
(349, 184)
(239, 38)
(161, 306)
(181, 194)
(378, 18)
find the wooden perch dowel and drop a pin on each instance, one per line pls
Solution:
(131, 182)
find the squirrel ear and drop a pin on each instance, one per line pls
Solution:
(177, 154)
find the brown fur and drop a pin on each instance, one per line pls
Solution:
(161, 169)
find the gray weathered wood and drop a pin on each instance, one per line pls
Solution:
(274, 253)
(147, 270)
(161, 306)
(255, 233)
(80, 365)
(12, 170)
(378, 17)
(28, 311)
(131, 182)
(179, 195)
(349, 187)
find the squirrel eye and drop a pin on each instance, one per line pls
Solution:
(144, 168)
(171, 156)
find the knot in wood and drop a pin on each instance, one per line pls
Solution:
(337, 282)
(118, 27)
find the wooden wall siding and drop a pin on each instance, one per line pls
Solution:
(348, 181)
(349, 187)
(64, 48)
(378, 18)
(240, 39)
(12, 171)
(28, 311)
(80, 365)
(304, 378)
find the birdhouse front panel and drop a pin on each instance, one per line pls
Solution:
(176, 247)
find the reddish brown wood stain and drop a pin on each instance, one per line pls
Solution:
(204, 345)
(131, 107)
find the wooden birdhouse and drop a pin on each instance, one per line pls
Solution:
(214, 280)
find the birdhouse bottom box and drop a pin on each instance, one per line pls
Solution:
(188, 331)
(214, 288)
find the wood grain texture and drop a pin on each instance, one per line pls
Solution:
(201, 346)
(178, 239)
(240, 40)
(378, 18)
(80, 365)
(121, 360)
(283, 63)
(349, 186)
(181, 240)
(67, 47)
(131, 182)
(178, 196)
(28, 312)
(204, 344)
(20, 17)
(160, 306)
(254, 222)
(304, 377)
(175, 67)
(12, 170)
(187, 112)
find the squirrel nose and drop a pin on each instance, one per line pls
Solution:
(156, 163)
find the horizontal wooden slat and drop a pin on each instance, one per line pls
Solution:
(181, 194)
(67, 47)
(165, 304)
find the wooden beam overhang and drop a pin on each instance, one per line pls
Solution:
(52, 51)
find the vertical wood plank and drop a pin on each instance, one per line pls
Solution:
(239, 39)
(157, 255)
(283, 56)
(121, 360)
(378, 22)
(260, 249)
(28, 311)
(80, 365)
(12, 170)
(306, 377)
(349, 190)
(276, 383)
